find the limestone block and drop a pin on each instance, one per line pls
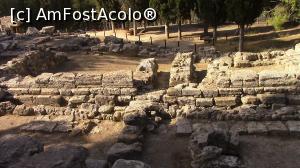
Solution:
(169, 99)
(34, 91)
(120, 79)
(223, 82)
(250, 100)
(242, 63)
(188, 91)
(182, 101)
(182, 69)
(43, 79)
(129, 91)
(111, 91)
(230, 91)
(25, 99)
(249, 91)
(227, 101)
(63, 80)
(210, 92)
(105, 100)
(275, 78)
(88, 79)
(81, 91)
(78, 99)
(48, 100)
(276, 127)
(65, 92)
(204, 102)
(49, 91)
(18, 91)
(250, 78)
(97, 90)
(256, 128)
(174, 91)
(268, 98)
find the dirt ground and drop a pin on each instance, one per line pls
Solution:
(163, 149)
(260, 37)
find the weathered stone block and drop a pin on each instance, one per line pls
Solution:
(81, 91)
(65, 92)
(124, 99)
(182, 69)
(249, 91)
(48, 100)
(49, 91)
(34, 91)
(210, 92)
(256, 128)
(276, 127)
(169, 99)
(268, 98)
(230, 91)
(25, 99)
(227, 101)
(223, 82)
(18, 91)
(43, 79)
(88, 79)
(274, 78)
(96, 90)
(188, 91)
(105, 100)
(63, 80)
(174, 91)
(182, 101)
(129, 91)
(111, 91)
(204, 102)
(118, 79)
(75, 100)
(250, 100)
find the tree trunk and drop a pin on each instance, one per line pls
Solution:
(241, 38)
(113, 28)
(205, 27)
(167, 31)
(134, 28)
(179, 30)
(215, 35)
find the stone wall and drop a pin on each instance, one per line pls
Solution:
(227, 84)
(228, 92)
(182, 69)
(64, 92)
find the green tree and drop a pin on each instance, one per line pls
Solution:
(183, 11)
(166, 10)
(285, 11)
(109, 5)
(243, 12)
(213, 12)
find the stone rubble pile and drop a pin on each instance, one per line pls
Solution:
(32, 63)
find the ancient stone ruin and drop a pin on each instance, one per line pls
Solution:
(258, 92)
